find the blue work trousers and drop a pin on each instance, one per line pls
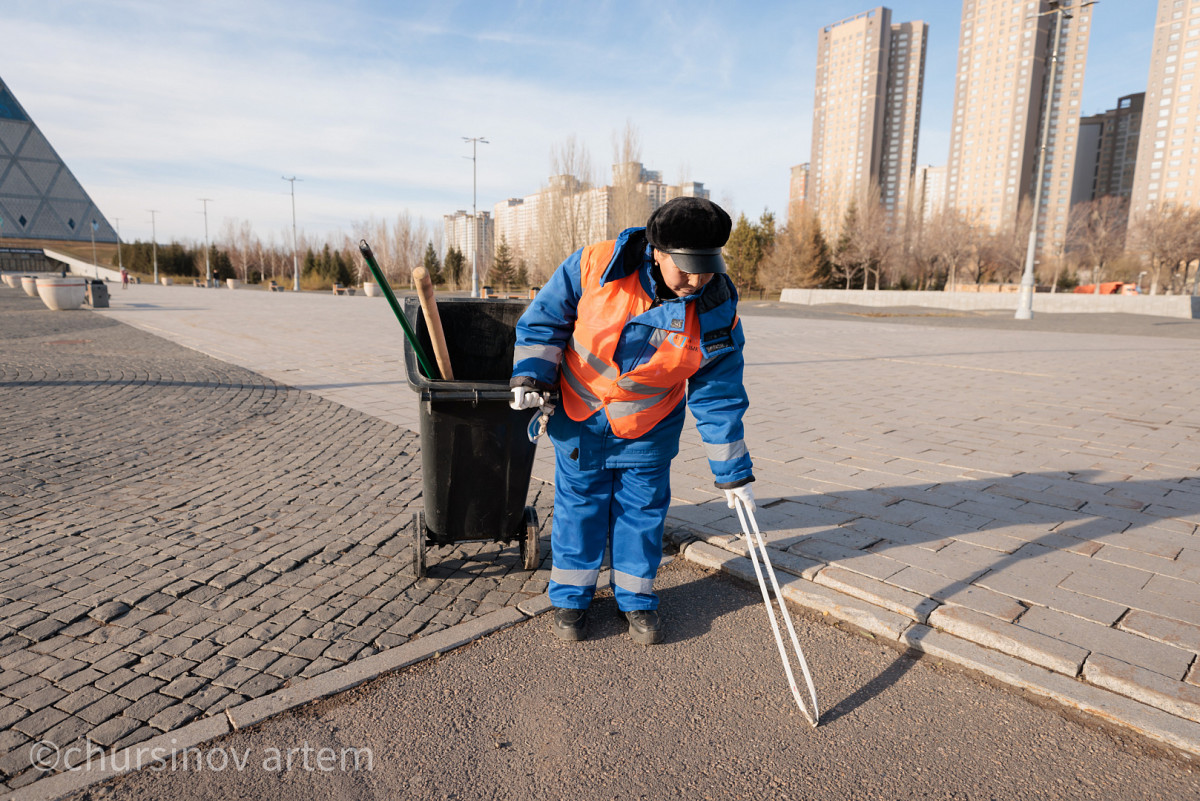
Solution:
(624, 506)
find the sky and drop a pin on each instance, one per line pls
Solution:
(154, 105)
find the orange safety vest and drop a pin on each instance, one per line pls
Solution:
(638, 400)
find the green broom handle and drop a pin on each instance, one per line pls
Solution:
(391, 299)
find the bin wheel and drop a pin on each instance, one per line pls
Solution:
(419, 544)
(531, 556)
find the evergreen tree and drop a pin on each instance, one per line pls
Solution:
(431, 264)
(846, 259)
(454, 267)
(815, 262)
(310, 263)
(342, 273)
(743, 252)
(220, 264)
(522, 278)
(502, 265)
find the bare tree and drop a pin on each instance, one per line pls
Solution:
(873, 238)
(566, 209)
(1003, 254)
(627, 206)
(952, 241)
(1096, 233)
(1164, 236)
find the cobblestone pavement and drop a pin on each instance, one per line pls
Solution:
(1029, 489)
(180, 534)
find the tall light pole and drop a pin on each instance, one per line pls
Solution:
(207, 265)
(474, 140)
(120, 262)
(295, 257)
(1025, 297)
(95, 264)
(154, 243)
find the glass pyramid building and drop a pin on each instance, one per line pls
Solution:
(39, 197)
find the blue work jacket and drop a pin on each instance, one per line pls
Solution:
(716, 394)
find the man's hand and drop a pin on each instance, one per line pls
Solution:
(744, 492)
(525, 398)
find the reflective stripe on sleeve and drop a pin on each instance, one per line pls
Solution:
(574, 578)
(642, 586)
(547, 353)
(725, 452)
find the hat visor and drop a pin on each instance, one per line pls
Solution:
(696, 261)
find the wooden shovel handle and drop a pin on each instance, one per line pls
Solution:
(433, 321)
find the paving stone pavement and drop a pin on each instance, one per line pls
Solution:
(1034, 492)
(1032, 488)
(180, 534)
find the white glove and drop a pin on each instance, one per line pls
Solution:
(744, 492)
(525, 398)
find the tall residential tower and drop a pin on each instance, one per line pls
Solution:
(867, 111)
(1169, 147)
(1000, 96)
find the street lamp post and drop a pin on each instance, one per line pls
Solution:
(1025, 297)
(474, 140)
(207, 265)
(95, 264)
(120, 262)
(295, 257)
(154, 243)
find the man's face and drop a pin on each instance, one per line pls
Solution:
(679, 282)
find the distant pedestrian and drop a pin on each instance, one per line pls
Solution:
(124, 278)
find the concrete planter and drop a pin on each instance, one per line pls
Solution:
(165, 281)
(62, 294)
(232, 283)
(29, 284)
(371, 290)
(11, 280)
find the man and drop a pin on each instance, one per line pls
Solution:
(629, 331)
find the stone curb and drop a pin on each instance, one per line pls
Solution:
(1117, 701)
(335, 681)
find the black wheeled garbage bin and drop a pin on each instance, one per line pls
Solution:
(476, 457)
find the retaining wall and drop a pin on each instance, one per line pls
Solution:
(1157, 305)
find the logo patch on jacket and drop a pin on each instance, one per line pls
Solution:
(717, 340)
(677, 323)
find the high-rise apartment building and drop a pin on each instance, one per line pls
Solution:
(1000, 97)
(1169, 147)
(928, 192)
(1107, 154)
(466, 233)
(866, 115)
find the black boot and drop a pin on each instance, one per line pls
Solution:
(644, 626)
(570, 624)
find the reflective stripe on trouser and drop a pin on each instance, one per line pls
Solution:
(626, 506)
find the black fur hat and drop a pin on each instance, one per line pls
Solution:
(693, 231)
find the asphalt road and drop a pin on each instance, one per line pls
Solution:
(706, 715)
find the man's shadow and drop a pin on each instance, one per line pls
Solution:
(998, 523)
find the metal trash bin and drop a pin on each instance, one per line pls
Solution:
(97, 293)
(476, 457)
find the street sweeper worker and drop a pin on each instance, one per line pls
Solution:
(629, 332)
